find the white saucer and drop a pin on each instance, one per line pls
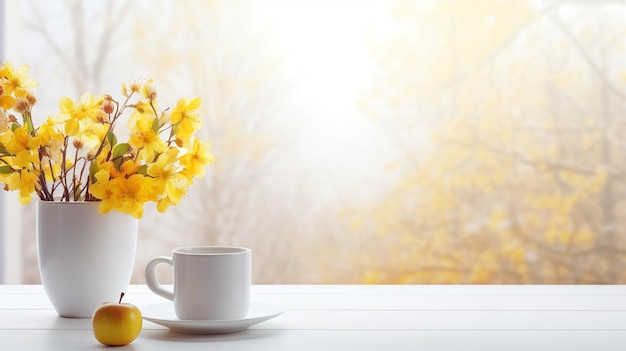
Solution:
(164, 314)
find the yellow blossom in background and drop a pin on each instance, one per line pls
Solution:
(76, 155)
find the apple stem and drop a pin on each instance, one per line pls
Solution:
(121, 297)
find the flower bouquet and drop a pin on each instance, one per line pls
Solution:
(75, 154)
(76, 164)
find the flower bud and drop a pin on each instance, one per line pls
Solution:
(21, 105)
(108, 107)
(78, 144)
(134, 86)
(130, 87)
(148, 90)
(31, 98)
(102, 116)
(125, 91)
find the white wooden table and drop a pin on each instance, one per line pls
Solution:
(332, 317)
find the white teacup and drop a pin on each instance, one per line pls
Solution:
(210, 282)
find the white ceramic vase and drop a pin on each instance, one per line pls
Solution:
(85, 258)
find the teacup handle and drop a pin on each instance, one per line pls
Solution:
(151, 277)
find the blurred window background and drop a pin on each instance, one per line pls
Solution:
(434, 141)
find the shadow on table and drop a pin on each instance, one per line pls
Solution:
(249, 334)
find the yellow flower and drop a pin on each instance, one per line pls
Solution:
(128, 168)
(103, 156)
(18, 140)
(50, 169)
(21, 145)
(197, 158)
(129, 194)
(148, 90)
(83, 118)
(87, 107)
(145, 86)
(173, 197)
(15, 81)
(26, 158)
(168, 179)
(24, 182)
(6, 102)
(144, 109)
(146, 139)
(186, 117)
(76, 153)
(52, 139)
(101, 189)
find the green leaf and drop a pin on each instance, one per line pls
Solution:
(117, 163)
(6, 169)
(120, 149)
(155, 125)
(3, 150)
(143, 169)
(93, 169)
(29, 126)
(111, 138)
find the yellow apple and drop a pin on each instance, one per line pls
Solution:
(116, 324)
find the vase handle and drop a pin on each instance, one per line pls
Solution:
(151, 277)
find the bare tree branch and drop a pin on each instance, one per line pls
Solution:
(37, 26)
(112, 22)
(585, 55)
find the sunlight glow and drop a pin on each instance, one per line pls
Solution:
(328, 41)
